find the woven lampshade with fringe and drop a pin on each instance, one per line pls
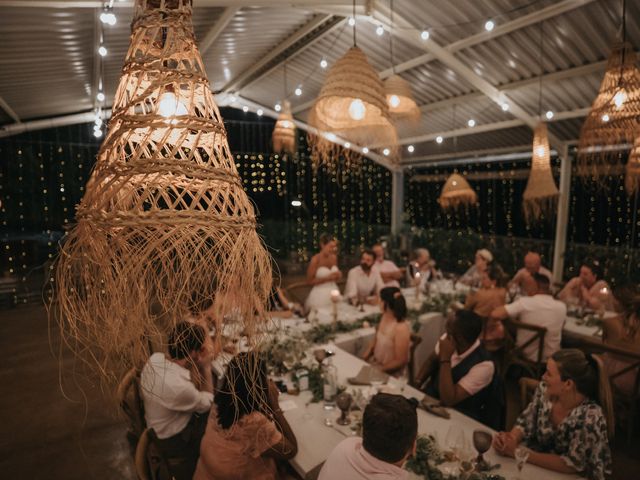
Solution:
(284, 132)
(165, 227)
(351, 84)
(402, 106)
(614, 117)
(541, 194)
(457, 193)
(632, 171)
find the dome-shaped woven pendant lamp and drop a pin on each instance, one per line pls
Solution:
(284, 132)
(164, 226)
(402, 106)
(457, 193)
(541, 194)
(352, 105)
(632, 173)
(614, 117)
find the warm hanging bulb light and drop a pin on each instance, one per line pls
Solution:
(394, 101)
(619, 99)
(169, 106)
(541, 193)
(357, 109)
(457, 193)
(402, 106)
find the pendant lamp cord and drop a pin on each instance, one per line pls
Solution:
(393, 67)
(354, 24)
(624, 38)
(541, 70)
(286, 91)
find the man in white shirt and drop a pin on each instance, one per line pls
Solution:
(364, 282)
(540, 309)
(461, 373)
(532, 265)
(174, 407)
(388, 270)
(389, 431)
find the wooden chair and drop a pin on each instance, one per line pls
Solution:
(130, 401)
(515, 355)
(415, 341)
(149, 461)
(606, 399)
(297, 292)
(527, 387)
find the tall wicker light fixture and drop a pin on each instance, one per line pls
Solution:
(284, 132)
(164, 226)
(351, 105)
(632, 173)
(614, 118)
(402, 106)
(457, 193)
(541, 195)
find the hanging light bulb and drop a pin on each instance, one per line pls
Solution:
(365, 150)
(439, 139)
(394, 101)
(169, 106)
(97, 133)
(102, 51)
(410, 148)
(245, 109)
(357, 110)
(605, 117)
(352, 21)
(505, 107)
(549, 115)
(323, 63)
(108, 18)
(489, 25)
(540, 151)
(298, 91)
(619, 99)
(347, 145)
(424, 35)
(278, 107)
(386, 152)
(98, 122)
(380, 30)
(471, 123)
(259, 112)
(100, 96)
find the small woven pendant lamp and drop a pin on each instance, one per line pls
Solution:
(284, 132)
(165, 227)
(457, 193)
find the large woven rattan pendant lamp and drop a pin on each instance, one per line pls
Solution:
(284, 132)
(541, 194)
(351, 105)
(632, 173)
(165, 227)
(402, 106)
(614, 117)
(457, 193)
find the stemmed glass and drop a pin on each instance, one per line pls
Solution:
(521, 456)
(344, 403)
(482, 443)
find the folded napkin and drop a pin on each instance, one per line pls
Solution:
(368, 374)
(434, 408)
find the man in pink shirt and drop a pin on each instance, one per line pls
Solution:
(389, 430)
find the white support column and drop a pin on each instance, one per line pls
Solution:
(397, 200)
(562, 218)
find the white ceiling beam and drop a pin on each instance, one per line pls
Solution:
(243, 77)
(216, 29)
(308, 4)
(63, 120)
(379, 159)
(501, 29)
(410, 162)
(5, 106)
(402, 29)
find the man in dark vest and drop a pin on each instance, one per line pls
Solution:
(461, 374)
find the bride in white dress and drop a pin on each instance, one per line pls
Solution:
(323, 273)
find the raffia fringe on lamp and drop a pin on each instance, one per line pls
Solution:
(541, 195)
(457, 193)
(165, 227)
(351, 105)
(615, 114)
(402, 106)
(632, 173)
(284, 132)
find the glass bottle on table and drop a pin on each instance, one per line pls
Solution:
(330, 384)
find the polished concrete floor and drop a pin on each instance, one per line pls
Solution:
(56, 424)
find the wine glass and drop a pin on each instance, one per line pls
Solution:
(344, 403)
(454, 439)
(320, 354)
(521, 456)
(482, 443)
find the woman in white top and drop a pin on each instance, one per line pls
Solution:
(323, 273)
(588, 289)
(389, 350)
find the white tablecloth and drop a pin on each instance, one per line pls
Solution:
(316, 441)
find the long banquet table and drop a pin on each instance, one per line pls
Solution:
(316, 440)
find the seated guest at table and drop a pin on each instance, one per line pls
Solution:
(424, 265)
(389, 349)
(246, 432)
(389, 431)
(563, 425)
(473, 276)
(173, 406)
(279, 304)
(461, 374)
(539, 309)
(364, 282)
(588, 289)
(389, 271)
(623, 331)
(532, 264)
(491, 295)
(323, 273)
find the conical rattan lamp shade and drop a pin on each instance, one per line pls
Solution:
(165, 225)
(632, 173)
(457, 193)
(284, 132)
(352, 105)
(402, 106)
(615, 114)
(541, 194)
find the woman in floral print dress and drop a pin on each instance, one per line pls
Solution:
(563, 426)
